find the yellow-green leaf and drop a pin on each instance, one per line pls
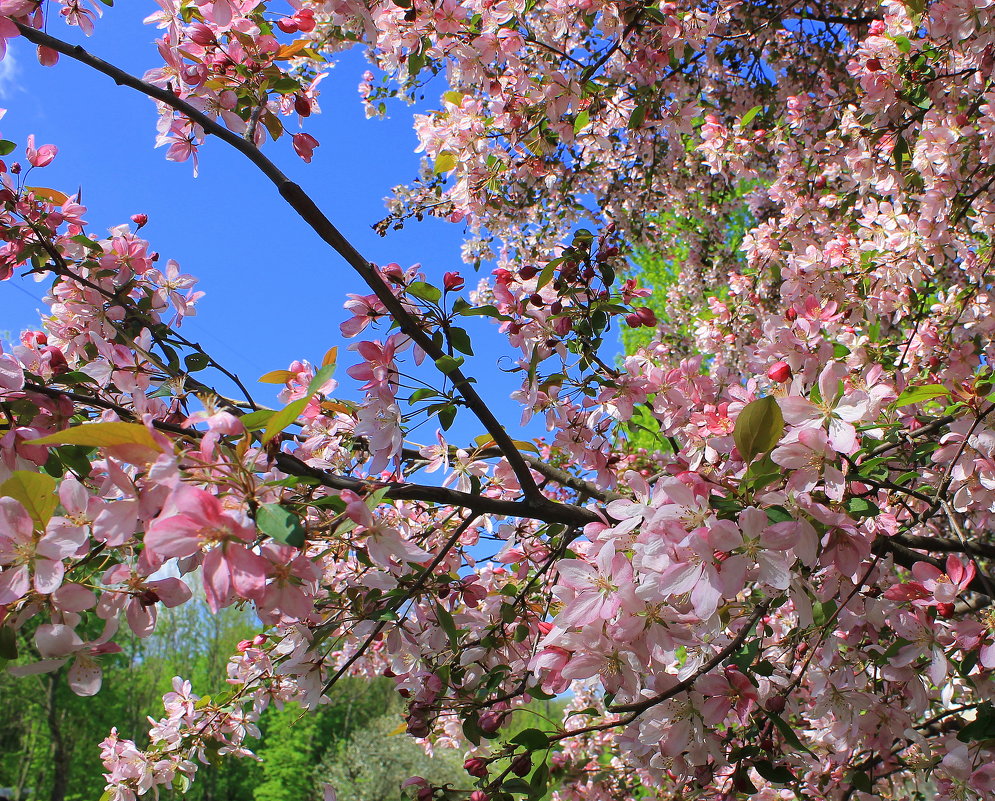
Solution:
(283, 418)
(51, 195)
(445, 162)
(277, 377)
(758, 427)
(35, 492)
(921, 394)
(331, 356)
(102, 435)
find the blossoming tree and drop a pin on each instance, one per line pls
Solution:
(756, 550)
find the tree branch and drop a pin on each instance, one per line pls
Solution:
(542, 509)
(302, 203)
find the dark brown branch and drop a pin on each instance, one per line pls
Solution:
(641, 706)
(302, 203)
(942, 545)
(543, 509)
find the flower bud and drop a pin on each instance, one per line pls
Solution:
(945, 609)
(199, 33)
(491, 721)
(140, 219)
(453, 281)
(476, 767)
(779, 372)
(302, 105)
(522, 765)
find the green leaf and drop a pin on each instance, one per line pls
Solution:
(424, 291)
(483, 311)
(637, 117)
(861, 781)
(581, 122)
(196, 361)
(445, 162)
(34, 491)
(449, 364)
(921, 394)
(539, 781)
(422, 394)
(822, 611)
(448, 624)
(283, 418)
(758, 428)
(322, 377)
(8, 643)
(749, 115)
(286, 85)
(788, 733)
(253, 421)
(547, 274)
(982, 727)
(778, 774)
(901, 152)
(101, 435)
(533, 739)
(447, 415)
(461, 341)
(861, 507)
(281, 525)
(7, 147)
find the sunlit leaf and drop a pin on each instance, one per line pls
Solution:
(758, 427)
(34, 491)
(102, 435)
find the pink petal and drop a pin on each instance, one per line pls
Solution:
(84, 676)
(14, 584)
(48, 575)
(57, 639)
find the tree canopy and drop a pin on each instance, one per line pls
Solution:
(754, 549)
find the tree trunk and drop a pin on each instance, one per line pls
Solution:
(61, 762)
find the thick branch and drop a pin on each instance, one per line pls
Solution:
(541, 509)
(321, 225)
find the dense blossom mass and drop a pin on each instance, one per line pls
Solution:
(755, 550)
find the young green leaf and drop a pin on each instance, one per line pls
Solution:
(758, 428)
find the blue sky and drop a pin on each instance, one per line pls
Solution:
(274, 291)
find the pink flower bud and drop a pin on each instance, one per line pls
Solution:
(47, 57)
(491, 721)
(41, 157)
(476, 767)
(479, 795)
(779, 372)
(140, 219)
(287, 25)
(200, 34)
(305, 144)
(453, 281)
(522, 765)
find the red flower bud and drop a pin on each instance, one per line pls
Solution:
(302, 105)
(945, 609)
(779, 372)
(476, 767)
(201, 34)
(453, 282)
(522, 765)
(139, 219)
(287, 25)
